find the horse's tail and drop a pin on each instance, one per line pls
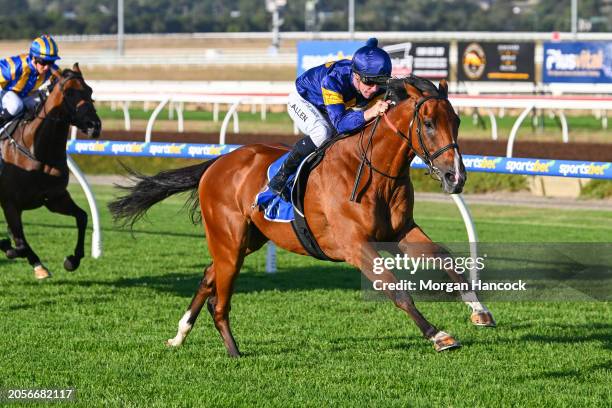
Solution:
(150, 190)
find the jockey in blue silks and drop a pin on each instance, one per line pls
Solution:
(321, 104)
(22, 75)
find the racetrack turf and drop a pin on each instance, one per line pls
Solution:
(307, 335)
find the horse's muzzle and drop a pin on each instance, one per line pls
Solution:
(93, 128)
(453, 182)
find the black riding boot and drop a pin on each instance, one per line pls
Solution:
(301, 149)
(5, 116)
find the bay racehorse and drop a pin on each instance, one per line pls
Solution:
(422, 123)
(35, 172)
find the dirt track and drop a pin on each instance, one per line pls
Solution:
(545, 150)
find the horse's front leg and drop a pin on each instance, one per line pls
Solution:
(6, 243)
(63, 204)
(416, 244)
(22, 249)
(364, 259)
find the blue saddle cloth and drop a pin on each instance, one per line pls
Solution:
(275, 208)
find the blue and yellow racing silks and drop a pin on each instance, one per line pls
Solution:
(329, 87)
(19, 75)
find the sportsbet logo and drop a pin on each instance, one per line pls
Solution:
(204, 151)
(127, 148)
(98, 147)
(587, 169)
(166, 149)
(531, 166)
(481, 162)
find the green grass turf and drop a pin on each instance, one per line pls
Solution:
(307, 335)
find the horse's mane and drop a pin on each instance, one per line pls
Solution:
(65, 73)
(396, 89)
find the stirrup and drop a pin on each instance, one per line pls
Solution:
(277, 187)
(286, 194)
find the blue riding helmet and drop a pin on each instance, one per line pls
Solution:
(371, 63)
(45, 48)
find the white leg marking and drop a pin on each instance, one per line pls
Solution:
(183, 330)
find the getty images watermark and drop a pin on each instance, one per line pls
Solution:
(460, 265)
(499, 271)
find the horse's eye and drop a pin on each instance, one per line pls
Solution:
(428, 124)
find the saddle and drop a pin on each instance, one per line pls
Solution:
(277, 209)
(298, 192)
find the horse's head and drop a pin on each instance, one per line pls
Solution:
(69, 91)
(432, 130)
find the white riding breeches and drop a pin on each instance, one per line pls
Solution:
(309, 119)
(10, 101)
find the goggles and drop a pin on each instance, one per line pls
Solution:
(373, 80)
(42, 62)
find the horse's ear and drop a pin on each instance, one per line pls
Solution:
(56, 73)
(443, 88)
(76, 68)
(412, 91)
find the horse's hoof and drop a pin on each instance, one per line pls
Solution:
(40, 272)
(444, 341)
(12, 253)
(173, 343)
(71, 263)
(5, 245)
(483, 319)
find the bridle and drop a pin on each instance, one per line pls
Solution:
(71, 110)
(426, 157)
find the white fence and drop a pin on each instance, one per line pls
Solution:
(264, 94)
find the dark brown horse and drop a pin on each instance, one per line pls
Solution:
(423, 123)
(35, 172)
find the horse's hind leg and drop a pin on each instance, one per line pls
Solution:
(416, 243)
(216, 286)
(64, 205)
(22, 249)
(255, 240)
(224, 283)
(229, 244)
(188, 320)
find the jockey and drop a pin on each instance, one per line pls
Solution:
(321, 104)
(23, 74)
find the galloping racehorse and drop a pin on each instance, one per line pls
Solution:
(35, 172)
(423, 123)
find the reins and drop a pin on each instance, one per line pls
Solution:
(364, 154)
